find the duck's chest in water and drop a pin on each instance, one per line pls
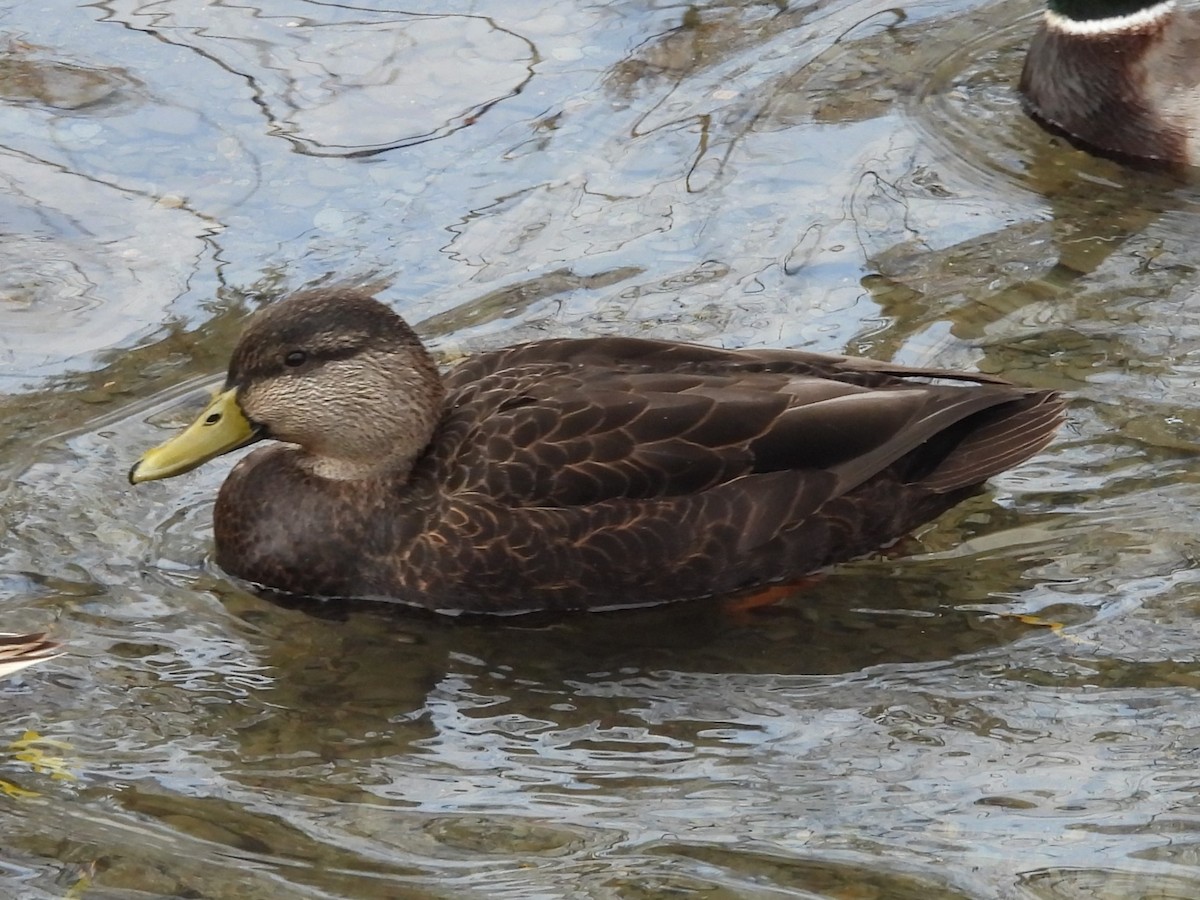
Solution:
(277, 525)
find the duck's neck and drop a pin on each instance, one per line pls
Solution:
(335, 469)
(379, 448)
(1106, 16)
(380, 426)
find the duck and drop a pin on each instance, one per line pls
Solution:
(20, 650)
(574, 473)
(1120, 78)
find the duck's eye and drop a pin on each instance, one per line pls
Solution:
(295, 358)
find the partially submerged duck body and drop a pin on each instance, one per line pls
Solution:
(1119, 77)
(20, 650)
(575, 474)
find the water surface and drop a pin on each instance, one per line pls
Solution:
(1006, 711)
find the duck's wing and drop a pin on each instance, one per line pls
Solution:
(749, 530)
(640, 355)
(20, 650)
(579, 422)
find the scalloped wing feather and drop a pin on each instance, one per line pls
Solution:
(619, 418)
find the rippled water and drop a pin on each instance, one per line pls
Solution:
(1004, 712)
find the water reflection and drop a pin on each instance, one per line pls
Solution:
(834, 175)
(100, 284)
(349, 81)
(30, 76)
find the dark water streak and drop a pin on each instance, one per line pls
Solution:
(1004, 710)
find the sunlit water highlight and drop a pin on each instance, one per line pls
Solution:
(843, 176)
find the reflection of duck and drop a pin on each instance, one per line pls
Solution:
(20, 650)
(1120, 77)
(574, 473)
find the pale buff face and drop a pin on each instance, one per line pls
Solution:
(371, 411)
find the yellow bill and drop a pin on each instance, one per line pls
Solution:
(220, 428)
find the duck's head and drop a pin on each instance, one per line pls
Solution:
(333, 371)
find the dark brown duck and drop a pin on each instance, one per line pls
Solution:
(575, 474)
